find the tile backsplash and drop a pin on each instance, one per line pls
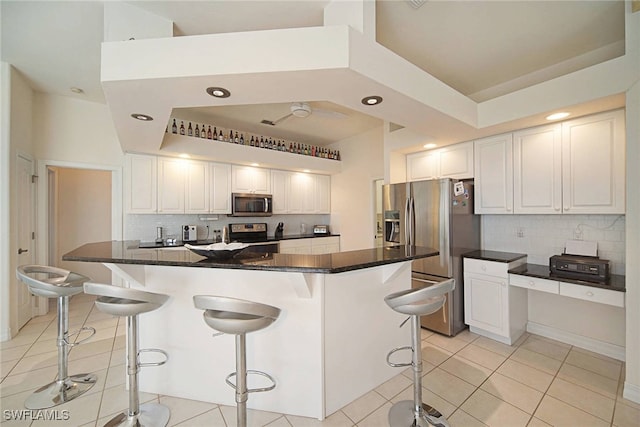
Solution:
(541, 236)
(143, 227)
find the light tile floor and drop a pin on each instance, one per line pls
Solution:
(473, 380)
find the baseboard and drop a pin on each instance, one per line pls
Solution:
(631, 392)
(611, 350)
(5, 335)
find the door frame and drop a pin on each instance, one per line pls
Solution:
(33, 245)
(42, 222)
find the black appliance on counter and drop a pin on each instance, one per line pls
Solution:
(580, 267)
(255, 234)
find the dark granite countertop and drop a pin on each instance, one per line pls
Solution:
(128, 252)
(615, 281)
(495, 256)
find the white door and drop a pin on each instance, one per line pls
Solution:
(26, 236)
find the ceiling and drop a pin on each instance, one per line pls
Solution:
(482, 49)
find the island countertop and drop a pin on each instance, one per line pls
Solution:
(128, 252)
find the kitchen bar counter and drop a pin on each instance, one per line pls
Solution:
(327, 348)
(129, 252)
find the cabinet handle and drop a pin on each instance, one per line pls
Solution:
(566, 208)
(503, 284)
(557, 209)
(532, 283)
(589, 294)
(483, 268)
(508, 209)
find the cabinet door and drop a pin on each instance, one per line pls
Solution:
(593, 164)
(456, 161)
(486, 303)
(197, 184)
(423, 165)
(220, 188)
(302, 193)
(493, 167)
(140, 186)
(537, 170)
(323, 194)
(280, 181)
(325, 245)
(171, 185)
(295, 246)
(247, 179)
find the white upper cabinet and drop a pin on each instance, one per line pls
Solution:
(247, 179)
(493, 167)
(219, 188)
(455, 161)
(171, 185)
(197, 187)
(300, 193)
(537, 170)
(593, 164)
(140, 184)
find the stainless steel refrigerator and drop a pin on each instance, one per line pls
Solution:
(438, 214)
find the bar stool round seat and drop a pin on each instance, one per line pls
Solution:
(235, 316)
(238, 317)
(52, 282)
(130, 303)
(417, 302)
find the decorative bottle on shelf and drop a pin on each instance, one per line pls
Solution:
(220, 137)
(236, 139)
(209, 132)
(338, 156)
(261, 142)
(174, 127)
(181, 128)
(190, 130)
(215, 134)
(242, 139)
(197, 132)
(252, 142)
(203, 134)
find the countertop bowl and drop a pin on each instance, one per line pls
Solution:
(218, 250)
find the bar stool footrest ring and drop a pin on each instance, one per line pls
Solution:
(398, 365)
(152, 350)
(78, 332)
(253, 390)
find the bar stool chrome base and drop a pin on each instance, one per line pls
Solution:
(402, 414)
(60, 391)
(150, 415)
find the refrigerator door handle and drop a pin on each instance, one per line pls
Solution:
(407, 231)
(411, 220)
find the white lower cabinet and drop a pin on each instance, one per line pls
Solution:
(311, 246)
(492, 308)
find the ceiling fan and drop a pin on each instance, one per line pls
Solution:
(302, 110)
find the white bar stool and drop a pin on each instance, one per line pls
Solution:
(53, 282)
(129, 303)
(416, 302)
(238, 317)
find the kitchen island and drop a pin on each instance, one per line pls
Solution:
(327, 348)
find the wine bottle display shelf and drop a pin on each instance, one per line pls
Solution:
(214, 133)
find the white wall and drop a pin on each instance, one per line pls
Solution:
(83, 216)
(632, 381)
(73, 130)
(353, 191)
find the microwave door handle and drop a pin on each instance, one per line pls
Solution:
(266, 205)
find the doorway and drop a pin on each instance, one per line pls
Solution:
(379, 241)
(79, 212)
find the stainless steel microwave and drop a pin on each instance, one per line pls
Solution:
(246, 204)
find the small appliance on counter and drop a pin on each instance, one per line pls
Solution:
(279, 230)
(189, 233)
(321, 230)
(580, 261)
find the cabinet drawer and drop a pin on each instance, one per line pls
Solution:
(603, 296)
(534, 283)
(490, 268)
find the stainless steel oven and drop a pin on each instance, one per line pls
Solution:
(244, 204)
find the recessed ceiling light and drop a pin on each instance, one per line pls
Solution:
(184, 156)
(142, 117)
(557, 116)
(430, 145)
(306, 170)
(255, 164)
(372, 100)
(76, 90)
(218, 92)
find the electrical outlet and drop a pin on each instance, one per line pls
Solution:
(520, 232)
